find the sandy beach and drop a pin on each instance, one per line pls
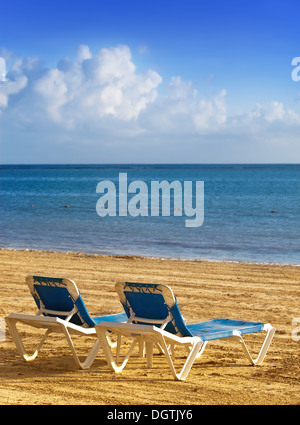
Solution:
(204, 290)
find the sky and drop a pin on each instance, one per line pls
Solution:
(138, 81)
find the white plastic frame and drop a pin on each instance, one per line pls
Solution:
(52, 324)
(149, 335)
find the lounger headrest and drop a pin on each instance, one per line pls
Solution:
(150, 288)
(68, 284)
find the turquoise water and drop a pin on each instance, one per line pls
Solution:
(239, 219)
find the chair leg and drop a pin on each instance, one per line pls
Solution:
(264, 348)
(111, 344)
(149, 353)
(158, 346)
(119, 340)
(11, 323)
(196, 348)
(141, 347)
(108, 353)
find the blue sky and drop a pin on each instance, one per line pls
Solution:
(149, 81)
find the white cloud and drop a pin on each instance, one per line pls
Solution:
(83, 53)
(181, 97)
(101, 100)
(94, 87)
(11, 87)
(54, 89)
(184, 110)
(18, 78)
(211, 113)
(274, 112)
(114, 65)
(24, 65)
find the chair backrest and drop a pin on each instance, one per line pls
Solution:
(59, 297)
(153, 304)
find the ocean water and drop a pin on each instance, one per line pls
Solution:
(239, 219)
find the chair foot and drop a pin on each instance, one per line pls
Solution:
(264, 348)
(12, 326)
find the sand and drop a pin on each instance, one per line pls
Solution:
(204, 290)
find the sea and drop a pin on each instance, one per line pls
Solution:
(251, 212)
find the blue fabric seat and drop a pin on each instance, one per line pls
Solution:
(154, 301)
(223, 328)
(58, 294)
